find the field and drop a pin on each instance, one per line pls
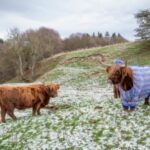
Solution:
(84, 115)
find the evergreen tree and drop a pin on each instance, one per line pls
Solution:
(114, 35)
(1, 41)
(100, 35)
(93, 34)
(107, 34)
(143, 19)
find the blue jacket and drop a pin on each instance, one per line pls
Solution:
(140, 89)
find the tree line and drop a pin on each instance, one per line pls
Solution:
(21, 52)
(85, 40)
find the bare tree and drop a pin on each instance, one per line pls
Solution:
(15, 44)
(41, 44)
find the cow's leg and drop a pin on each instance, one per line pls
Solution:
(3, 114)
(34, 110)
(10, 112)
(38, 112)
(38, 106)
(146, 101)
(116, 91)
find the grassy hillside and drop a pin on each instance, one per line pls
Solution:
(84, 115)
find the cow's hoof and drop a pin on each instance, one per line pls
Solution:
(125, 110)
(146, 103)
(131, 110)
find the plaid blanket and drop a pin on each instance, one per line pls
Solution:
(140, 89)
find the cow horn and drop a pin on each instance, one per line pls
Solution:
(104, 64)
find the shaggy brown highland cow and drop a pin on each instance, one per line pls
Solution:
(29, 96)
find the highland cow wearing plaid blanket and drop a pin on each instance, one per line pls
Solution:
(140, 89)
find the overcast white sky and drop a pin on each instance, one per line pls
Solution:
(70, 16)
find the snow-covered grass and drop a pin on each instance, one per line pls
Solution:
(84, 116)
(88, 119)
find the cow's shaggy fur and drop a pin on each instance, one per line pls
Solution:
(29, 96)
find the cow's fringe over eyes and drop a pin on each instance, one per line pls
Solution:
(127, 78)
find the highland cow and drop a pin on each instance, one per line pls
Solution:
(33, 96)
(133, 84)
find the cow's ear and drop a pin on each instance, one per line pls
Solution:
(51, 89)
(107, 69)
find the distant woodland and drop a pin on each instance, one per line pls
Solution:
(21, 52)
